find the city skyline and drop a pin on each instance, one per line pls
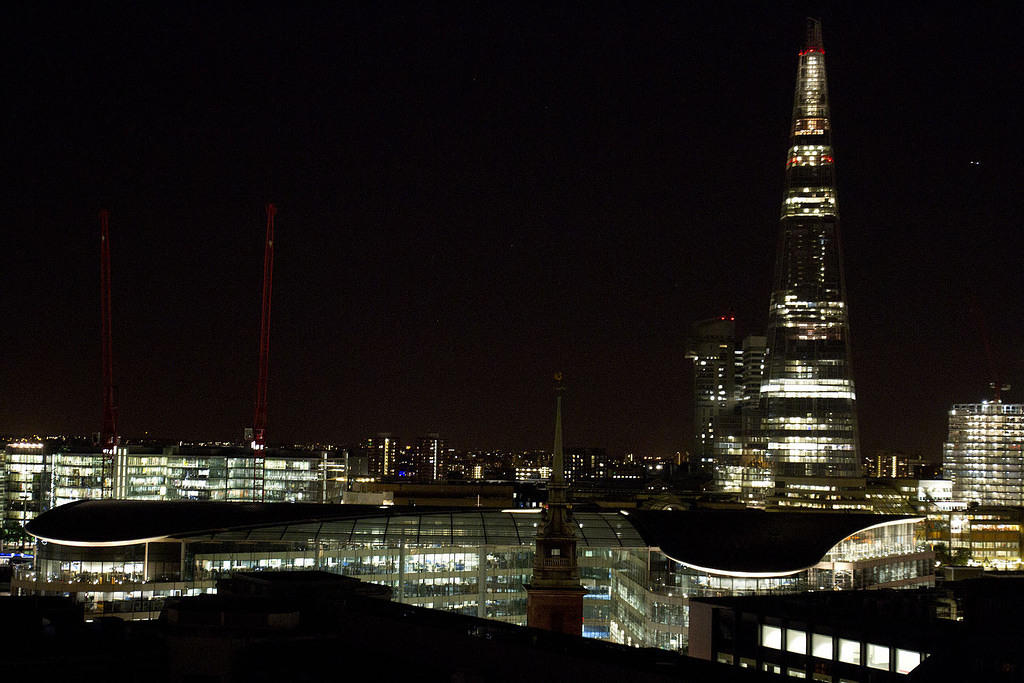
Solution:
(468, 204)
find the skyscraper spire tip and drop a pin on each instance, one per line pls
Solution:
(812, 40)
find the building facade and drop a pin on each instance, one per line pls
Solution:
(38, 476)
(712, 349)
(984, 455)
(639, 569)
(25, 485)
(728, 442)
(382, 454)
(808, 394)
(898, 465)
(819, 636)
(429, 460)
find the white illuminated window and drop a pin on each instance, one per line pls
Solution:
(907, 661)
(771, 636)
(821, 646)
(878, 656)
(796, 673)
(796, 641)
(849, 651)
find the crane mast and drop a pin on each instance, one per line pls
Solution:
(109, 438)
(260, 419)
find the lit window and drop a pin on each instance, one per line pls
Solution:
(849, 651)
(878, 656)
(821, 646)
(796, 673)
(771, 636)
(796, 641)
(907, 661)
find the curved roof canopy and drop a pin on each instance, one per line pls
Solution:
(749, 542)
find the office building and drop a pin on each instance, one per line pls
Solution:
(984, 455)
(728, 441)
(752, 478)
(712, 349)
(25, 480)
(639, 567)
(37, 476)
(808, 394)
(968, 630)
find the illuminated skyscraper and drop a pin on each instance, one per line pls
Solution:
(712, 348)
(808, 395)
(728, 442)
(984, 455)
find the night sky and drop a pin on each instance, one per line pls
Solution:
(471, 200)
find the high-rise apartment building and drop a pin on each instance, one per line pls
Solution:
(712, 348)
(430, 458)
(728, 442)
(808, 395)
(382, 454)
(984, 456)
(898, 465)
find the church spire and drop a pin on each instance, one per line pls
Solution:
(555, 596)
(558, 457)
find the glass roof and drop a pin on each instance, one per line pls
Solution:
(476, 527)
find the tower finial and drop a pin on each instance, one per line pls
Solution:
(812, 40)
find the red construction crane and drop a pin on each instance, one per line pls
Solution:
(259, 423)
(108, 435)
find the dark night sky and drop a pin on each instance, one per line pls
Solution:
(469, 201)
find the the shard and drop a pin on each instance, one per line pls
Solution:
(807, 395)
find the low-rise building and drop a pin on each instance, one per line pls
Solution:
(966, 631)
(640, 567)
